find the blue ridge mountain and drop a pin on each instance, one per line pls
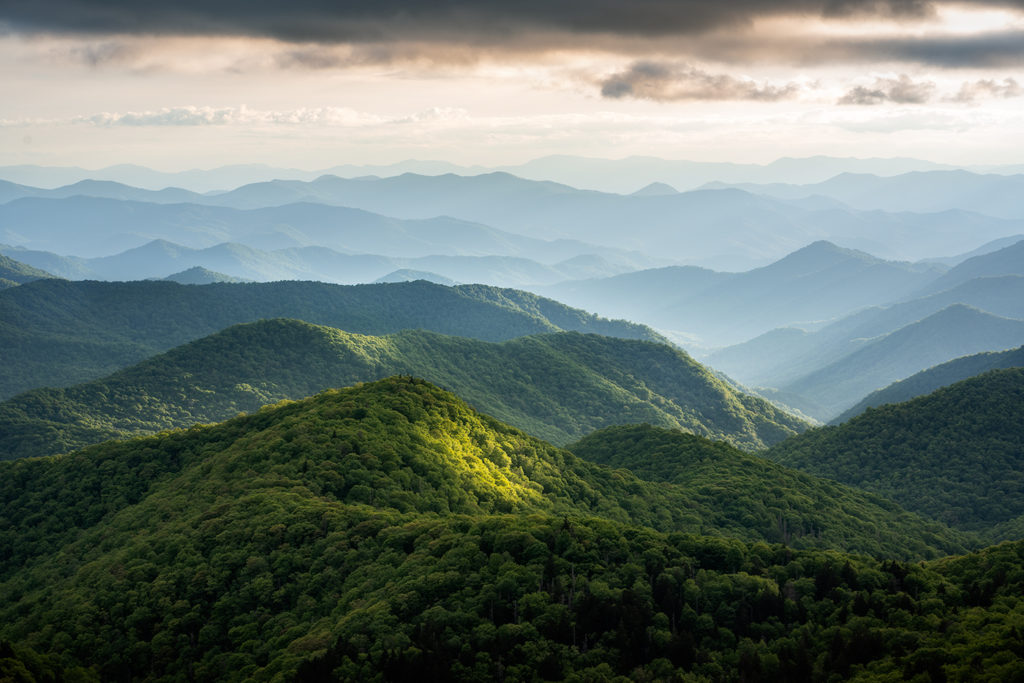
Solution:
(955, 331)
(817, 282)
(956, 454)
(927, 381)
(557, 386)
(58, 332)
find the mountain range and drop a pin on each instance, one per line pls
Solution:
(382, 528)
(606, 175)
(936, 377)
(160, 258)
(556, 386)
(953, 455)
(58, 333)
(918, 191)
(727, 229)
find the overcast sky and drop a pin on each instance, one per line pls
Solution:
(314, 83)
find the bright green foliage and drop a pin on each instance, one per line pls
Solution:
(389, 532)
(956, 455)
(58, 333)
(558, 387)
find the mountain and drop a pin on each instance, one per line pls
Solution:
(557, 387)
(952, 332)
(379, 530)
(817, 282)
(58, 333)
(937, 377)
(987, 248)
(919, 191)
(655, 189)
(954, 455)
(606, 175)
(1006, 261)
(201, 276)
(782, 356)
(13, 273)
(90, 227)
(725, 229)
(410, 275)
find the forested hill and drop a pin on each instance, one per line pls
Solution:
(382, 529)
(956, 455)
(14, 273)
(555, 386)
(719, 474)
(937, 377)
(58, 333)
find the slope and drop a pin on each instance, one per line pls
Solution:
(817, 282)
(955, 331)
(380, 530)
(781, 356)
(557, 387)
(954, 455)
(249, 549)
(1006, 261)
(57, 333)
(16, 273)
(937, 377)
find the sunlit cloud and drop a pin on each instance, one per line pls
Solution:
(664, 82)
(900, 90)
(988, 89)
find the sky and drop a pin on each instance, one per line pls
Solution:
(316, 83)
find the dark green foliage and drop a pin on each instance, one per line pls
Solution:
(781, 504)
(956, 455)
(19, 664)
(937, 377)
(58, 333)
(557, 387)
(388, 532)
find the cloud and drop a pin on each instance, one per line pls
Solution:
(226, 116)
(674, 82)
(988, 89)
(899, 90)
(382, 20)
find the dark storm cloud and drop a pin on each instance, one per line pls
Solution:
(900, 90)
(384, 20)
(381, 31)
(674, 82)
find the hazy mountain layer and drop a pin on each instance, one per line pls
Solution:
(58, 333)
(954, 455)
(93, 227)
(818, 282)
(937, 377)
(158, 258)
(952, 332)
(919, 191)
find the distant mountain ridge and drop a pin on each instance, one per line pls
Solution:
(927, 381)
(58, 333)
(817, 282)
(159, 257)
